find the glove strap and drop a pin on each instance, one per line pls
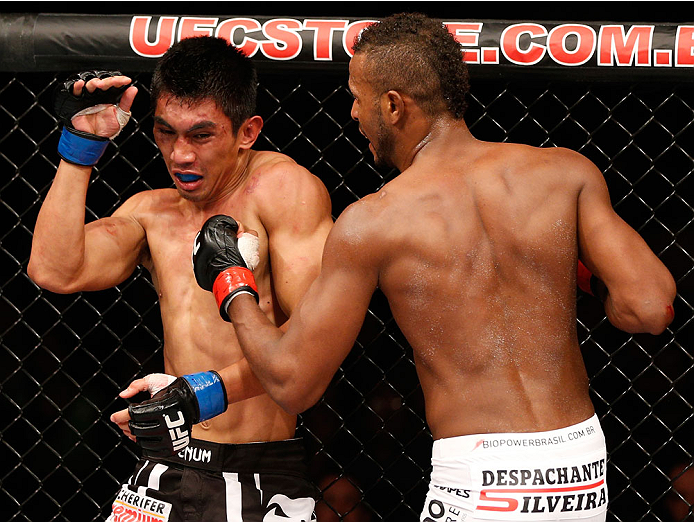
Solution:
(583, 277)
(81, 148)
(210, 393)
(233, 281)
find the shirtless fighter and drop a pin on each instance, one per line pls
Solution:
(476, 247)
(244, 464)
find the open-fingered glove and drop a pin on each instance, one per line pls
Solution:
(77, 146)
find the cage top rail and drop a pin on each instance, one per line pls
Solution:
(588, 51)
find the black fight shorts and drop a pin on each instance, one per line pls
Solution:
(256, 482)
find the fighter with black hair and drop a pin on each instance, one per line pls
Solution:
(210, 451)
(476, 246)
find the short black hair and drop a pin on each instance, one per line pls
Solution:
(415, 54)
(208, 67)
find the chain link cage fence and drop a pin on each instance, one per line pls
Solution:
(64, 358)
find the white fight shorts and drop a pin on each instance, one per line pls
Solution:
(549, 475)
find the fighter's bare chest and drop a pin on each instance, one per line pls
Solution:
(170, 250)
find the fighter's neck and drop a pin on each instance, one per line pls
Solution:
(239, 175)
(228, 185)
(444, 135)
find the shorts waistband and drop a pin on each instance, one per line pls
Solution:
(587, 431)
(257, 457)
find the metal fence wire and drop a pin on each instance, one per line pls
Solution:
(64, 358)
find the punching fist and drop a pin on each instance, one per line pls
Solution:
(162, 425)
(219, 263)
(94, 101)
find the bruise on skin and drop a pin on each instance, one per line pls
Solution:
(252, 185)
(110, 227)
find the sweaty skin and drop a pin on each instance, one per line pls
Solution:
(475, 245)
(287, 206)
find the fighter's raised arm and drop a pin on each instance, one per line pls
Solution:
(67, 255)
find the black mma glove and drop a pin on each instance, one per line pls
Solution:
(76, 146)
(162, 425)
(218, 263)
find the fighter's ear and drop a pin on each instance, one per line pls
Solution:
(249, 131)
(392, 106)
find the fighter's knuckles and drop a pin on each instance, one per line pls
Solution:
(98, 74)
(155, 382)
(88, 88)
(219, 225)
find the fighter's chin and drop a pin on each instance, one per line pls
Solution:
(190, 196)
(377, 159)
(380, 159)
(383, 162)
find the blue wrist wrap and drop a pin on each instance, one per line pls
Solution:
(210, 393)
(79, 149)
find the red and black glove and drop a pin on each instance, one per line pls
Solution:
(590, 284)
(219, 265)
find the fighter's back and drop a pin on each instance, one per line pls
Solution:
(479, 271)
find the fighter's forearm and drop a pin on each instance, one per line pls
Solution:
(278, 360)
(277, 369)
(645, 307)
(240, 382)
(58, 245)
(93, 107)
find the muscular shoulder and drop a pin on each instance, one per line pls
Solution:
(362, 229)
(556, 168)
(558, 160)
(279, 175)
(279, 185)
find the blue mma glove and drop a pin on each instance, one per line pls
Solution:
(162, 425)
(76, 146)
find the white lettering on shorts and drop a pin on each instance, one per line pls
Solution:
(133, 507)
